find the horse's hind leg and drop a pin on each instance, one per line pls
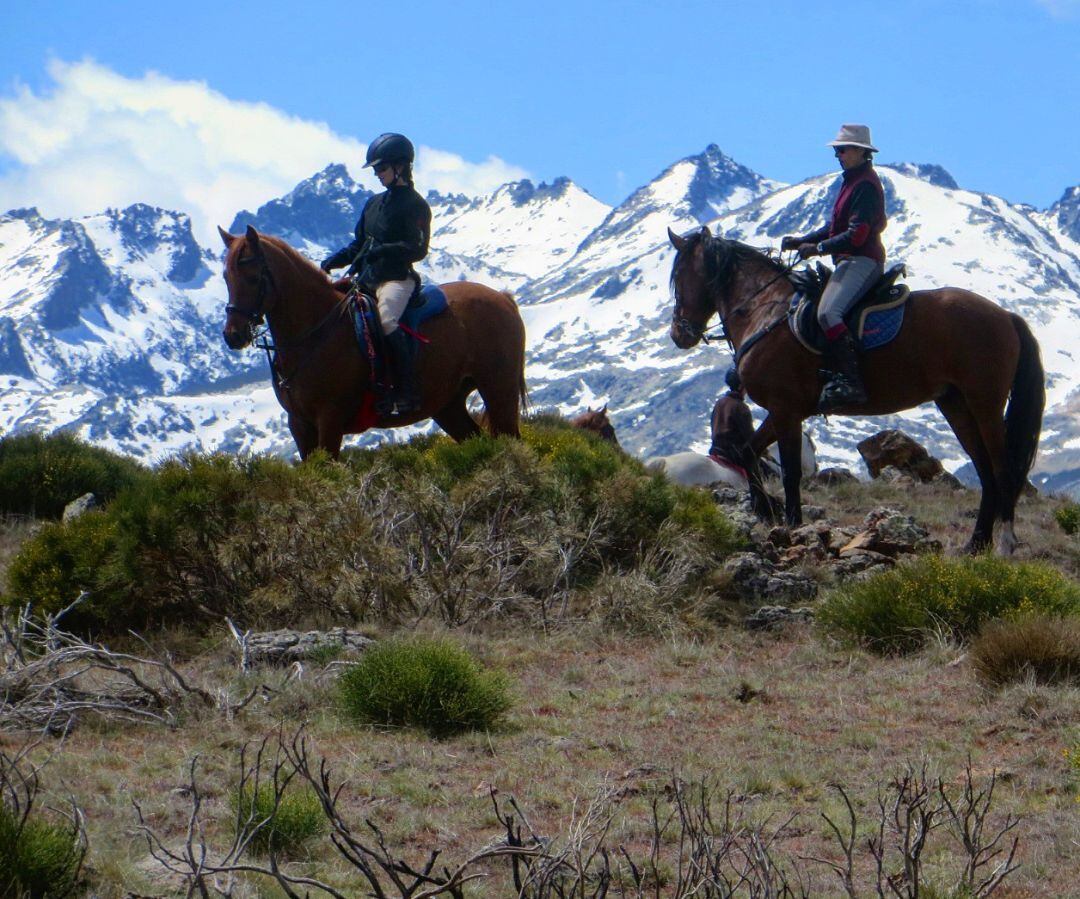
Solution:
(454, 417)
(967, 431)
(502, 406)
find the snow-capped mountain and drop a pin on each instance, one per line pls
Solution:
(110, 324)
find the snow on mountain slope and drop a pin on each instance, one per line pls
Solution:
(610, 339)
(520, 228)
(110, 325)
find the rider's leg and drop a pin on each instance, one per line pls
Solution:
(393, 297)
(852, 278)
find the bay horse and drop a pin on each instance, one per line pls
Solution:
(597, 421)
(323, 380)
(955, 348)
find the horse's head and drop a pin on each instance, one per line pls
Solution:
(598, 422)
(689, 283)
(250, 284)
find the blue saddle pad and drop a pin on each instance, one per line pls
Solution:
(429, 301)
(874, 321)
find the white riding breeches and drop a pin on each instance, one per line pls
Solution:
(393, 297)
(850, 281)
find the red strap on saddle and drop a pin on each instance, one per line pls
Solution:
(413, 333)
(728, 464)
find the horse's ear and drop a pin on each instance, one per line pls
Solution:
(677, 241)
(227, 238)
(253, 239)
(705, 232)
(604, 410)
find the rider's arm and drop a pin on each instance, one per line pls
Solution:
(865, 209)
(416, 234)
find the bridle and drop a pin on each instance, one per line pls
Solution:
(700, 332)
(257, 317)
(266, 283)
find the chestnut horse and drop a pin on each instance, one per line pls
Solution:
(323, 380)
(956, 349)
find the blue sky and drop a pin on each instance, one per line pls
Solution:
(609, 93)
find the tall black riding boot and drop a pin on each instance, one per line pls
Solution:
(844, 386)
(404, 398)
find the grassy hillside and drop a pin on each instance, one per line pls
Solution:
(594, 594)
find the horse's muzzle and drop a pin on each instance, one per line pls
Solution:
(236, 338)
(684, 337)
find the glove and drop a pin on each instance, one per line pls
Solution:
(806, 250)
(326, 265)
(789, 243)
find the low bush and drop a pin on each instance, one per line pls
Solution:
(1068, 516)
(297, 817)
(40, 475)
(898, 610)
(38, 857)
(1040, 647)
(428, 529)
(430, 684)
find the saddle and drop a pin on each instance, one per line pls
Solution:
(427, 301)
(873, 321)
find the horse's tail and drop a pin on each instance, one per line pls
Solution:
(1023, 418)
(522, 387)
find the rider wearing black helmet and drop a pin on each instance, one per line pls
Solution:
(392, 234)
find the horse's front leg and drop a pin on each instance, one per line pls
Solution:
(304, 434)
(789, 439)
(766, 507)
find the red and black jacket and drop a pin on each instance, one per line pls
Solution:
(858, 217)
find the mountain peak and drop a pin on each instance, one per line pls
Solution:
(925, 171)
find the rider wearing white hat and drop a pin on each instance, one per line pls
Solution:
(853, 239)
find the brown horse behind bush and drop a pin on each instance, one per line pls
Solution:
(323, 380)
(956, 349)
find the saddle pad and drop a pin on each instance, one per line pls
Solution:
(874, 322)
(428, 302)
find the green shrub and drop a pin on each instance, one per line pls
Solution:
(1068, 516)
(1037, 646)
(898, 610)
(431, 684)
(40, 475)
(297, 818)
(38, 858)
(431, 528)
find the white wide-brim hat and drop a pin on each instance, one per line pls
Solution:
(853, 136)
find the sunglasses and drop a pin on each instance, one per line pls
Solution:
(842, 150)
(380, 168)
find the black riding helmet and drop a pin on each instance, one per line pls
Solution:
(390, 148)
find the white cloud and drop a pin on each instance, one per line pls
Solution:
(99, 139)
(1061, 9)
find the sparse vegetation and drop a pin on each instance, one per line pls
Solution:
(899, 610)
(1068, 516)
(458, 533)
(432, 684)
(40, 475)
(277, 821)
(1039, 647)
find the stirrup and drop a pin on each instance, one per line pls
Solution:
(841, 391)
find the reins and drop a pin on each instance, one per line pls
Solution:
(271, 348)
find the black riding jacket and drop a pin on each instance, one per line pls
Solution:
(392, 234)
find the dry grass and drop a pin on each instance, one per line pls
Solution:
(776, 719)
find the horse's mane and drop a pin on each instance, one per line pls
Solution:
(722, 257)
(284, 254)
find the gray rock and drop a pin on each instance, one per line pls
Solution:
(771, 617)
(754, 578)
(284, 647)
(79, 506)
